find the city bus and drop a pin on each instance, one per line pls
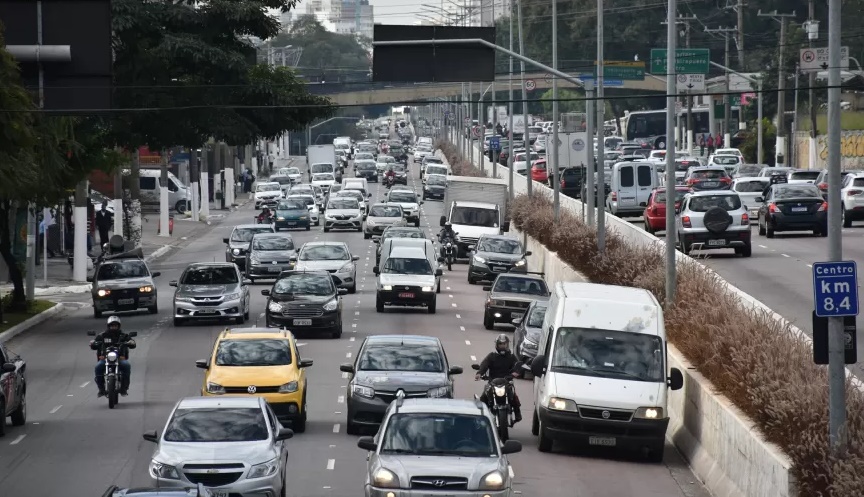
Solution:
(651, 124)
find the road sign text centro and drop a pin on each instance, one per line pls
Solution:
(687, 61)
(835, 288)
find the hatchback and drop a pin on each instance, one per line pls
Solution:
(708, 178)
(654, 216)
(713, 220)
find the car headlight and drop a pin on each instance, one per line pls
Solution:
(215, 388)
(347, 268)
(530, 344)
(280, 218)
(163, 471)
(500, 390)
(649, 413)
(427, 289)
(146, 289)
(182, 298)
(439, 392)
(385, 478)
(329, 216)
(289, 387)
(302, 218)
(254, 259)
(103, 292)
(331, 306)
(236, 251)
(479, 259)
(363, 391)
(274, 306)
(492, 481)
(520, 263)
(268, 468)
(232, 296)
(386, 288)
(560, 404)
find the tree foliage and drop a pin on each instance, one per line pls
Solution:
(327, 56)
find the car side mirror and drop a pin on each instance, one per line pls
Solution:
(505, 227)
(284, 434)
(443, 220)
(246, 282)
(678, 210)
(347, 368)
(8, 367)
(90, 279)
(470, 248)
(151, 436)
(421, 202)
(643, 204)
(202, 364)
(375, 270)
(225, 241)
(538, 366)
(487, 288)
(293, 258)
(511, 447)
(355, 258)
(342, 291)
(455, 370)
(475, 367)
(675, 380)
(367, 443)
(265, 293)
(132, 334)
(515, 322)
(305, 363)
(172, 283)
(91, 333)
(439, 272)
(760, 199)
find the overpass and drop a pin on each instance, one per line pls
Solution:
(368, 93)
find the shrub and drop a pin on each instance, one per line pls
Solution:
(459, 166)
(759, 364)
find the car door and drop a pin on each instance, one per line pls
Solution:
(7, 386)
(626, 186)
(646, 181)
(244, 289)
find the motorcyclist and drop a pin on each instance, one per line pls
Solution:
(390, 176)
(113, 336)
(265, 215)
(447, 233)
(501, 364)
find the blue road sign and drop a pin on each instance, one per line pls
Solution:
(589, 78)
(835, 289)
(495, 143)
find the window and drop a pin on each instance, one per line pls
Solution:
(796, 191)
(273, 243)
(626, 176)
(253, 353)
(751, 186)
(293, 170)
(217, 425)
(474, 216)
(725, 202)
(268, 187)
(400, 265)
(291, 205)
(324, 253)
(323, 177)
(858, 182)
(660, 197)
(385, 211)
(535, 319)
(305, 284)
(402, 197)
(529, 286)
(500, 246)
(246, 234)
(644, 173)
(122, 269)
(804, 175)
(608, 353)
(202, 275)
(727, 160)
(322, 168)
(401, 357)
(147, 183)
(709, 174)
(439, 434)
(343, 203)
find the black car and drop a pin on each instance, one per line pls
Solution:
(366, 169)
(401, 174)
(510, 295)
(269, 254)
(305, 301)
(795, 207)
(387, 364)
(435, 187)
(496, 254)
(708, 178)
(528, 331)
(397, 232)
(238, 243)
(198, 491)
(13, 389)
(571, 181)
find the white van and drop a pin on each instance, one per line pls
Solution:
(632, 183)
(426, 244)
(600, 376)
(355, 184)
(179, 196)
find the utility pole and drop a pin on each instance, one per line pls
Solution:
(494, 104)
(671, 78)
(812, 28)
(556, 186)
(688, 140)
(727, 104)
(510, 129)
(524, 102)
(599, 128)
(780, 150)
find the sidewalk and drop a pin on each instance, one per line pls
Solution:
(154, 246)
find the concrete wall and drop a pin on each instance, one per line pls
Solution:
(851, 150)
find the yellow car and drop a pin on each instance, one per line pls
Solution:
(263, 362)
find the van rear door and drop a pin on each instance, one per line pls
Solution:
(646, 180)
(626, 186)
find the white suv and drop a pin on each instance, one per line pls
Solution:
(713, 220)
(852, 197)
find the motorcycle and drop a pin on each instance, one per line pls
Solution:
(389, 181)
(264, 219)
(499, 392)
(112, 375)
(449, 254)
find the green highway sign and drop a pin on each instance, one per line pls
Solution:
(625, 70)
(687, 61)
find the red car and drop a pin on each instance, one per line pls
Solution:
(655, 212)
(538, 171)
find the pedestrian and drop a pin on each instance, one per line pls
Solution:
(701, 145)
(710, 144)
(91, 223)
(250, 178)
(719, 140)
(104, 223)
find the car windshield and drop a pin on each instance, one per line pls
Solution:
(748, 170)
(218, 424)
(386, 159)
(436, 170)
(401, 357)
(433, 160)
(220, 275)
(436, 179)
(535, 319)
(293, 170)
(474, 216)
(399, 168)
(500, 246)
(366, 166)
(683, 166)
(406, 197)
(385, 211)
(797, 191)
(660, 197)
(390, 233)
(771, 171)
(306, 200)
(322, 168)
(726, 160)
(515, 284)
(291, 205)
(304, 284)
(282, 180)
(323, 177)
(422, 434)
(857, 182)
(607, 353)
(804, 175)
(401, 265)
(750, 186)
(725, 202)
(268, 187)
(355, 194)
(123, 269)
(363, 156)
(273, 243)
(343, 203)
(324, 253)
(246, 234)
(709, 174)
(254, 352)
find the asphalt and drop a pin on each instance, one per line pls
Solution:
(73, 445)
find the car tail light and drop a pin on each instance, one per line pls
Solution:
(823, 207)
(562, 183)
(773, 208)
(745, 220)
(823, 186)
(726, 180)
(854, 192)
(691, 181)
(614, 196)
(685, 221)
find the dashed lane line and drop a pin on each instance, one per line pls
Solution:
(348, 355)
(53, 411)
(17, 439)
(85, 384)
(340, 399)
(467, 342)
(473, 358)
(336, 428)
(461, 328)
(784, 255)
(352, 339)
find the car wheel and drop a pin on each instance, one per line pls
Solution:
(178, 322)
(326, 230)
(417, 223)
(438, 289)
(3, 423)
(432, 305)
(379, 304)
(96, 314)
(746, 250)
(768, 231)
(488, 322)
(353, 289)
(308, 227)
(823, 232)
(655, 453)
(19, 415)
(648, 227)
(761, 228)
(544, 443)
(239, 320)
(847, 219)
(351, 428)
(367, 236)
(154, 309)
(299, 424)
(359, 229)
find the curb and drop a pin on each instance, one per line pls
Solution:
(30, 323)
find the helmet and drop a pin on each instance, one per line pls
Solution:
(448, 224)
(114, 320)
(502, 344)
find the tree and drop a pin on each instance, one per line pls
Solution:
(568, 101)
(327, 56)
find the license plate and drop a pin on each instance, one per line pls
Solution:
(274, 269)
(716, 243)
(604, 441)
(406, 295)
(302, 322)
(291, 223)
(208, 311)
(218, 493)
(497, 269)
(709, 184)
(799, 209)
(516, 315)
(125, 301)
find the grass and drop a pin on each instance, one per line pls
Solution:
(458, 165)
(11, 319)
(757, 363)
(849, 120)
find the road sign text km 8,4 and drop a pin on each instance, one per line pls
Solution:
(835, 288)
(687, 61)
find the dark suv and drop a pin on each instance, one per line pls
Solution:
(305, 301)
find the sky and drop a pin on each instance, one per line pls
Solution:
(400, 11)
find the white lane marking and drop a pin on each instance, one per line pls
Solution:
(458, 316)
(352, 339)
(85, 384)
(52, 411)
(446, 281)
(336, 428)
(784, 255)
(70, 395)
(510, 469)
(473, 358)
(461, 328)
(356, 313)
(453, 304)
(451, 295)
(344, 375)
(301, 344)
(17, 439)
(326, 488)
(348, 355)
(340, 399)
(337, 412)
(809, 265)
(448, 288)
(467, 342)
(763, 246)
